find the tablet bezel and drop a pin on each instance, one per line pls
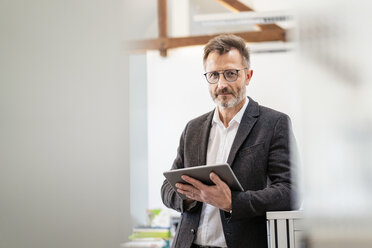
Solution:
(201, 173)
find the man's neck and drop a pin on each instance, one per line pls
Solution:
(227, 114)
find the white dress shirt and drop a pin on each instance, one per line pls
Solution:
(210, 232)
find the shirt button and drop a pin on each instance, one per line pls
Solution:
(192, 231)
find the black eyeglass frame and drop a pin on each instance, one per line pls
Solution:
(223, 72)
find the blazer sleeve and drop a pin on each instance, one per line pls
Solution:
(279, 195)
(168, 195)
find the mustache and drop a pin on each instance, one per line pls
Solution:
(224, 91)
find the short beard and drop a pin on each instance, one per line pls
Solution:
(237, 98)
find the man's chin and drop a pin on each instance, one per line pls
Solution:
(224, 104)
(224, 99)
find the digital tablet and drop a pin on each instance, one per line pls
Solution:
(201, 173)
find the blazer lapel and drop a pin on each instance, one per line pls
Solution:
(248, 120)
(204, 137)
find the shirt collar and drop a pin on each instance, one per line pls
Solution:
(237, 118)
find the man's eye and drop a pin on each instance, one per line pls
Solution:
(213, 74)
(230, 73)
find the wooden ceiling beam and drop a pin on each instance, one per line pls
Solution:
(253, 36)
(168, 43)
(237, 6)
(267, 32)
(162, 26)
(234, 5)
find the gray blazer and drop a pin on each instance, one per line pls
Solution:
(261, 158)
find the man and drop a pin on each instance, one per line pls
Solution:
(254, 140)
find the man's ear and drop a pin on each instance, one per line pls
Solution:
(249, 76)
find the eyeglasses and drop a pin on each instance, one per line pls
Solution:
(230, 75)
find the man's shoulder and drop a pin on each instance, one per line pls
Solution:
(201, 119)
(198, 123)
(271, 112)
(257, 110)
(270, 115)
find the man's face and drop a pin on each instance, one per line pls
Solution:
(224, 93)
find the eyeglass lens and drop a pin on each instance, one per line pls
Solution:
(229, 75)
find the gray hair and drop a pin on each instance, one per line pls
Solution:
(224, 43)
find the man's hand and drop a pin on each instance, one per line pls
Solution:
(218, 195)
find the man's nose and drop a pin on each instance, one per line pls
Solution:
(222, 83)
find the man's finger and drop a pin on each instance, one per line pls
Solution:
(181, 185)
(216, 179)
(186, 193)
(189, 194)
(185, 187)
(196, 183)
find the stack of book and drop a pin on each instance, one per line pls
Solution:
(144, 236)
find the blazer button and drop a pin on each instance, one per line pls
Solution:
(193, 231)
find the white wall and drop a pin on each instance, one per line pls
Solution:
(138, 139)
(64, 174)
(178, 92)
